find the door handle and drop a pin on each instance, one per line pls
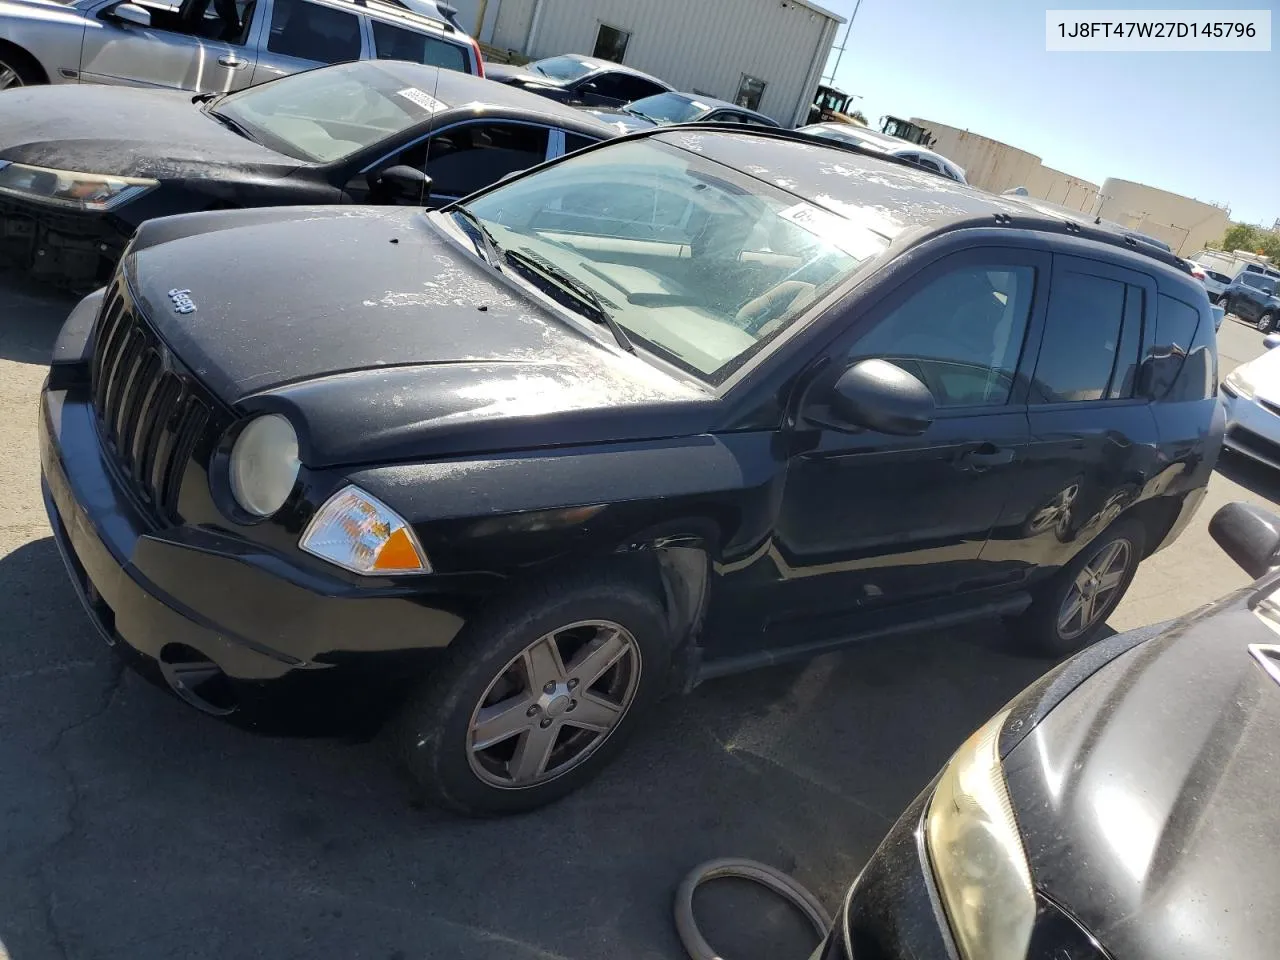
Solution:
(985, 457)
(232, 61)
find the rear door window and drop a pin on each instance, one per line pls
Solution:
(311, 31)
(1085, 353)
(396, 43)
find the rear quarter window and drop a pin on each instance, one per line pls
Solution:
(1182, 363)
(397, 43)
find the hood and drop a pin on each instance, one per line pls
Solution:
(127, 131)
(1147, 797)
(621, 121)
(366, 325)
(1264, 372)
(510, 73)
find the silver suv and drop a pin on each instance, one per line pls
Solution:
(212, 46)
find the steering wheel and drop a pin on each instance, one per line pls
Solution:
(761, 315)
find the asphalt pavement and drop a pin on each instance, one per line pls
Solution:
(133, 827)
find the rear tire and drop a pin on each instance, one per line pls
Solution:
(1266, 322)
(1048, 628)
(502, 683)
(18, 68)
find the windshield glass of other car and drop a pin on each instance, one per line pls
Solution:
(698, 262)
(667, 108)
(325, 115)
(562, 69)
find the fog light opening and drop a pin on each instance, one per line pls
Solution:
(198, 680)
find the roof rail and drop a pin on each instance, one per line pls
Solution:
(445, 9)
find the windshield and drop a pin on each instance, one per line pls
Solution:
(698, 263)
(563, 69)
(664, 108)
(327, 114)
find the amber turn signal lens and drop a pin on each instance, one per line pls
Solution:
(360, 533)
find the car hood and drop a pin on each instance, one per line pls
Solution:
(126, 131)
(1147, 797)
(622, 121)
(510, 73)
(386, 341)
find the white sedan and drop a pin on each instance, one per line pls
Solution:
(1251, 396)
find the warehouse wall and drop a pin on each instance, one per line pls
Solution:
(696, 45)
(1184, 223)
(1063, 189)
(987, 163)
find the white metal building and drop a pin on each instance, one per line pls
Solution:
(765, 54)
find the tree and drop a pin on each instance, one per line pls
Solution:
(859, 116)
(1241, 236)
(1269, 244)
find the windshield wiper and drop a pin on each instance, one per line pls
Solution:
(576, 289)
(492, 252)
(232, 125)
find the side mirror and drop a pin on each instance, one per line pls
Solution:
(1271, 341)
(132, 13)
(1248, 535)
(406, 183)
(883, 397)
(589, 87)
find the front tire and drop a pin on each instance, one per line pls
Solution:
(1071, 609)
(1266, 322)
(17, 69)
(1225, 302)
(537, 696)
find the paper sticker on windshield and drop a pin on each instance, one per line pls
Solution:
(422, 99)
(853, 239)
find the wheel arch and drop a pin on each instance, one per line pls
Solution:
(1157, 516)
(23, 57)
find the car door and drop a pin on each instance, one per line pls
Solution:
(301, 34)
(870, 521)
(202, 45)
(1094, 441)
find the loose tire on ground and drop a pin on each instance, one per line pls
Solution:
(1040, 631)
(499, 675)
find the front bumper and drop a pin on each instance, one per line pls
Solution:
(276, 635)
(65, 247)
(1253, 428)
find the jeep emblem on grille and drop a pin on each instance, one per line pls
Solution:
(182, 302)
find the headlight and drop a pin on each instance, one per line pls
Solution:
(362, 534)
(977, 854)
(1240, 383)
(82, 191)
(264, 465)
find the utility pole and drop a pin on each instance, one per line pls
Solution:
(840, 49)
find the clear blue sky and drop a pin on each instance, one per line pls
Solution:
(1170, 120)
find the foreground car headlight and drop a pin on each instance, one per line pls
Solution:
(264, 465)
(360, 533)
(82, 191)
(977, 855)
(1240, 383)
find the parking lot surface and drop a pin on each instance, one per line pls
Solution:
(133, 827)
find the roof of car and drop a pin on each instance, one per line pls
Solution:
(887, 196)
(410, 16)
(456, 90)
(895, 144)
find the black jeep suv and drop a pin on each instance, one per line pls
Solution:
(684, 404)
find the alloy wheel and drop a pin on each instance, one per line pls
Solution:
(1093, 589)
(8, 76)
(554, 704)
(1265, 323)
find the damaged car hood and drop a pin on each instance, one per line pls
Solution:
(372, 316)
(125, 131)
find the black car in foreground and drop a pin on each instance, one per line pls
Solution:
(82, 166)
(1121, 807)
(573, 78)
(631, 421)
